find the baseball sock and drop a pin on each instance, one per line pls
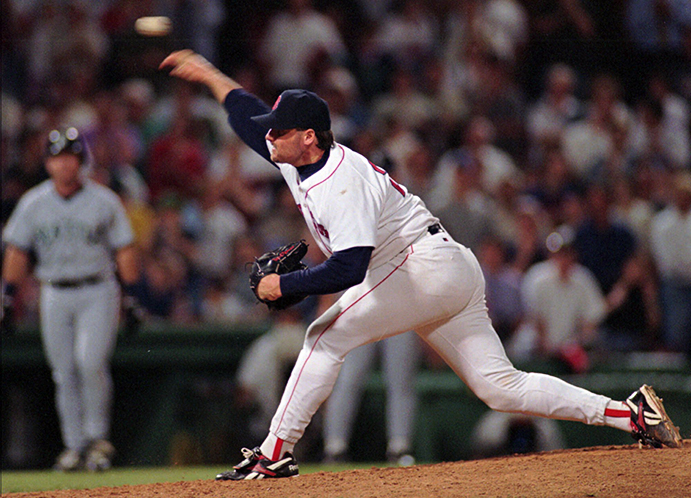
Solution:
(274, 448)
(618, 415)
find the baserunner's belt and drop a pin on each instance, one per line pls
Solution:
(73, 284)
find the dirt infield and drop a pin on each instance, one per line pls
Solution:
(606, 472)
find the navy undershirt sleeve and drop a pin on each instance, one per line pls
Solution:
(341, 271)
(241, 106)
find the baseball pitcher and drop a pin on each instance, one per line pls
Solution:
(400, 271)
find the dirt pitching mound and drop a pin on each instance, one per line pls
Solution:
(607, 472)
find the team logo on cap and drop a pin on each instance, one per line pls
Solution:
(276, 103)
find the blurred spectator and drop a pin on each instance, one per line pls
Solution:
(399, 364)
(231, 300)
(198, 22)
(676, 110)
(572, 211)
(245, 182)
(116, 146)
(468, 217)
(563, 303)
(138, 97)
(416, 173)
(156, 290)
(619, 161)
(527, 247)
(671, 248)
(399, 141)
(589, 142)
(499, 434)
(502, 102)
(502, 287)
(282, 223)
(221, 224)
(259, 389)
(311, 37)
(557, 107)
(405, 103)
(657, 26)
(632, 210)
(633, 312)
(188, 100)
(65, 40)
(664, 139)
(603, 245)
(340, 90)
(495, 164)
(177, 160)
(505, 27)
(25, 168)
(554, 180)
(407, 35)
(480, 37)
(172, 251)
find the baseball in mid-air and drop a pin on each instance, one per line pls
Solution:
(153, 26)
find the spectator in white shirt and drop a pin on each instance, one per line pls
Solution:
(671, 248)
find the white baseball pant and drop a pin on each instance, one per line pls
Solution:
(436, 288)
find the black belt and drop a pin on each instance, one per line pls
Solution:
(73, 284)
(436, 228)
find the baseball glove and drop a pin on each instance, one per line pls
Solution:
(285, 259)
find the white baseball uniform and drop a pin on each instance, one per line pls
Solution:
(416, 280)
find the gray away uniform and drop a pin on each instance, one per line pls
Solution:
(74, 241)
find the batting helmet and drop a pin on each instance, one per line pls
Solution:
(67, 141)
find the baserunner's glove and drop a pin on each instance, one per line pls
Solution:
(285, 259)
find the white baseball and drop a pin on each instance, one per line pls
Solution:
(153, 26)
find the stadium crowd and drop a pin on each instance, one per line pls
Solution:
(551, 137)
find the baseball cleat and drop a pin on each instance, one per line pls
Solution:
(650, 423)
(99, 455)
(257, 466)
(68, 461)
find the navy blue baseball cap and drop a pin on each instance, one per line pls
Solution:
(297, 109)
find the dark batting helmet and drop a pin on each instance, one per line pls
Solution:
(67, 141)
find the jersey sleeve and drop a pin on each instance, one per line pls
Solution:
(241, 106)
(20, 229)
(120, 233)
